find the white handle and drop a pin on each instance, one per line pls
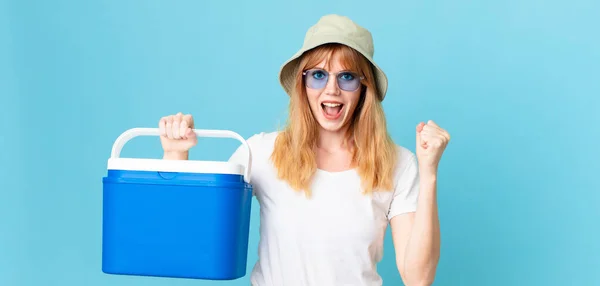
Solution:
(134, 132)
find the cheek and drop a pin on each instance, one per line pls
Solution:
(353, 99)
(313, 97)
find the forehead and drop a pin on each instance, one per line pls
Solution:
(334, 62)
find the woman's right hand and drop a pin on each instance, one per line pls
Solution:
(177, 136)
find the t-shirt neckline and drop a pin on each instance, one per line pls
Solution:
(347, 171)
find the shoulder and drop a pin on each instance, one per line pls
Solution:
(262, 144)
(405, 156)
(406, 161)
(262, 139)
(406, 184)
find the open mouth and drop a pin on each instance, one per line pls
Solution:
(332, 110)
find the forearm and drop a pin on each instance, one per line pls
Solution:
(423, 247)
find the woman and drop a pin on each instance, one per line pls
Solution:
(331, 181)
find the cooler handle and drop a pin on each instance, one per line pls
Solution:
(134, 132)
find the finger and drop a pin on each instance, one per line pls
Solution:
(424, 137)
(183, 127)
(161, 126)
(431, 136)
(189, 133)
(440, 132)
(432, 127)
(432, 123)
(442, 135)
(419, 129)
(423, 140)
(169, 126)
(445, 133)
(437, 131)
(175, 127)
(436, 143)
(420, 126)
(190, 120)
(428, 137)
(176, 124)
(428, 132)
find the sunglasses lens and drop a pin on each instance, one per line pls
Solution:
(348, 81)
(316, 79)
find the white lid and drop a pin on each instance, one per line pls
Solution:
(188, 166)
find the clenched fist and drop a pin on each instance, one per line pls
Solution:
(177, 136)
(431, 143)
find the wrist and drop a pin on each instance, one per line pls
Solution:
(428, 175)
(428, 187)
(428, 180)
(428, 171)
(175, 155)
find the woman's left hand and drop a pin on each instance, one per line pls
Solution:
(431, 143)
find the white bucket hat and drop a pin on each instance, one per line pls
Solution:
(334, 29)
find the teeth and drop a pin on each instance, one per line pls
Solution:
(328, 104)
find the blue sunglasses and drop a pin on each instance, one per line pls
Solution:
(317, 79)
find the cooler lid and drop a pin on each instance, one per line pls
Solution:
(187, 166)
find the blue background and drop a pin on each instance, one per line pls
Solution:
(517, 84)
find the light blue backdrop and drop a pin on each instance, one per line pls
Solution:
(515, 82)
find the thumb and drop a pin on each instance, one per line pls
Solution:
(190, 134)
(419, 129)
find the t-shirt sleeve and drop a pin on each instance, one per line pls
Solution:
(406, 191)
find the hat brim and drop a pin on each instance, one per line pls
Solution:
(288, 71)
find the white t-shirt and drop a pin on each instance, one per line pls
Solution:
(333, 238)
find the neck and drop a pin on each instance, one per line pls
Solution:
(333, 140)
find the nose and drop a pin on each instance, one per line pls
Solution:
(332, 87)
